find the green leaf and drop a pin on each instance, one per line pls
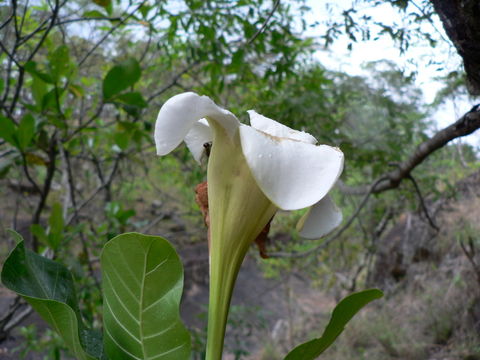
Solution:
(38, 231)
(120, 77)
(48, 287)
(39, 89)
(16, 236)
(132, 98)
(131, 102)
(31, 68)
(102, 3)
(56, 225)
(342, 314)
(59, 62)
(94, 14)
(142, 284)
(7, 130)
(26, 130)
(121, 139)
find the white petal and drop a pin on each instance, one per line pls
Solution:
(274, 128)
(320, 219)
(181, 112)
(292, 174)
(198, 135)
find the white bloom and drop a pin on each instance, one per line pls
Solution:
(289, 169)
(252, 172)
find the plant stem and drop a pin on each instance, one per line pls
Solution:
(222, 282)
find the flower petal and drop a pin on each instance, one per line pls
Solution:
(274, 128)
(320, 219)
(291, 173)
(181, 112)
(199, 134)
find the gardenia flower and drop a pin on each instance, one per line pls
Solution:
(252, 172)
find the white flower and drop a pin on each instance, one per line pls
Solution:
(291, 171)
(252, 172)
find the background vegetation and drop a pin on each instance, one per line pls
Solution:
(82, 82)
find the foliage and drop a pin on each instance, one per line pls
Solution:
(82, 82)
(143, 283)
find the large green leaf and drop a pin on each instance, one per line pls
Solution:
(48, 288)
(342, 314)
(120, 77)
(142, 284)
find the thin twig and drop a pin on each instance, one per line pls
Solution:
(422, 203)
(97, 190)
(120, 23)
(52, 154)
(265, 23)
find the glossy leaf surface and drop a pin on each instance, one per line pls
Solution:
(48, 287)
(142, 285)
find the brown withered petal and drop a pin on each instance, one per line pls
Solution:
(262, 239)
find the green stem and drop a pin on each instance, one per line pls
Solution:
(223, 275)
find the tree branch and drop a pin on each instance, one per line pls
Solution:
(466, 125)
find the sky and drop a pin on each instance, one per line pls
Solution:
(417, 58)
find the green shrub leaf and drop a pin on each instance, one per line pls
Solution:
(26, 131)
(142, 285)
(7, 130)
(120, 77)
(342, 314)
(48, 287)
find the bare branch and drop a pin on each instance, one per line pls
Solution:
(120, 23)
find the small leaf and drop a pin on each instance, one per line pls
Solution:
(102, 3)
(120, 77)
(56, 224)
(132, 98)
(131, 102)
(94, 14)
(26, 130)
(76, 90)
(39, 232)
(48, 287)
(121, 139)
(7, 130)
(59, 62)
(34, 159)
(342, 314)
(39, 89)
(31, 68)
(142, 284)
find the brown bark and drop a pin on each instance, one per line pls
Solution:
(461, 20)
